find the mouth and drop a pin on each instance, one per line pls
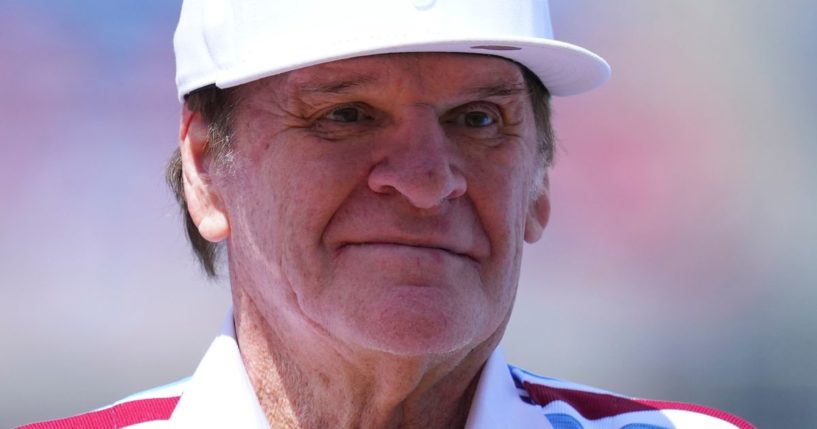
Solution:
(419, 246)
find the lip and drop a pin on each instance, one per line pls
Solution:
(417, 245)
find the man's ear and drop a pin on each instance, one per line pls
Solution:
(204, 204)
(538, 213)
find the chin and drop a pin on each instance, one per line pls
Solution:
(418, 322)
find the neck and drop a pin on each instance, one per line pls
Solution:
(318, 384)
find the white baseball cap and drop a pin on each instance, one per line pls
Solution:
(231, 42)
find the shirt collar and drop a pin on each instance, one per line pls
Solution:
(497, 403)
(220, 394)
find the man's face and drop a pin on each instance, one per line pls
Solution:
(382, 202)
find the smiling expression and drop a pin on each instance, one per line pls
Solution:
(381, 202)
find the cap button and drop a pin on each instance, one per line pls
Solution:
(423, 4)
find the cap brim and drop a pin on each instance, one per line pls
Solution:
(563, 68)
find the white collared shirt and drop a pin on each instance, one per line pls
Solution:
(220, 395)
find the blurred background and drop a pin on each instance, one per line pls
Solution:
(680, 261)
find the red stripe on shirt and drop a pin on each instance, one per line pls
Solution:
(595, 406)
(115, 417)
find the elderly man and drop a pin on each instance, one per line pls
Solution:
(372, 168)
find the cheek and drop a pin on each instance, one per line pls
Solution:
(501, 193)
(282, 196)
(291, 183)
(501, 196)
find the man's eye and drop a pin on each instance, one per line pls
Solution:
(346, 114)
(476, 119)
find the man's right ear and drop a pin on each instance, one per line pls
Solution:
(204, 204)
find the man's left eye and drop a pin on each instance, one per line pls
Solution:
(476, 119)
(346, 114)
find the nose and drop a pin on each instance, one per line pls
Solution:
(418, 162)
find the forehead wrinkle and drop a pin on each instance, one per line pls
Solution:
(500, 89)
(328, 80)
(338, 86)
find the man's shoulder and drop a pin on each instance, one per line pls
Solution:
(152, 405)
(569, 405)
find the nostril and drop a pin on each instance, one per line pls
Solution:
(423, 186)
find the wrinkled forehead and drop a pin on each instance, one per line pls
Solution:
(433, 73)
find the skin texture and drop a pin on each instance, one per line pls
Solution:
(375, 210)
